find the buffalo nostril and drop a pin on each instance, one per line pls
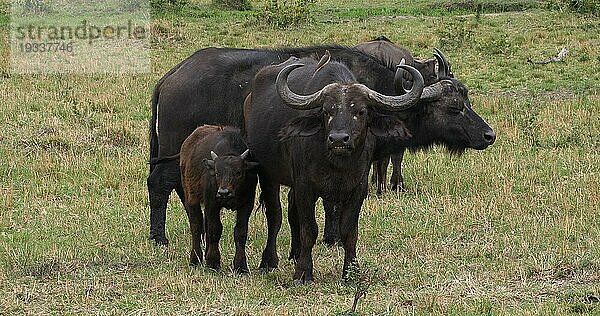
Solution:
(490, 137)
(339, 137)
(223, 192)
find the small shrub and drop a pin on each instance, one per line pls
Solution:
(283, 13)
(233, 4)
(360, 280)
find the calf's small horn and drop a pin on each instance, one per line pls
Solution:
(245, 154)
(213, 155)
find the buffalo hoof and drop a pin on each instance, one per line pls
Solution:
(213, 264)
(240, 266)
(159, 240)
(304, 276)
(332, 241)
(329, 241)
(398, 187)
(298, 282)
(294, 254)
(265, 270)
(301, 282)
(195, 260)
(241, 270)
(269, 261)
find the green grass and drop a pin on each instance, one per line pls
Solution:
(512, 230)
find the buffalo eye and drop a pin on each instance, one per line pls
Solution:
(362, 112)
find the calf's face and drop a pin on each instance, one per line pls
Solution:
(228, 173)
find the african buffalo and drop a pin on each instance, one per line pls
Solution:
(442, 116)
(209, 87)
(319, 140)
(391, 54)
(215, 172)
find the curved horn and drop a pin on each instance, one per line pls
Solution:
(213, 155)
(441, 70)
(400, 102)
(293, 100)
(442, 60)
(245, 154)
(399, 81)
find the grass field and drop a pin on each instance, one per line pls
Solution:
(512, 230)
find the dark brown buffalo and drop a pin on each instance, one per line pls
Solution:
(215, 172)
(313, 127)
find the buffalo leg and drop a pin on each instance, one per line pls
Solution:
(331, 233)
(350, 211)
(214, 230)
(180, 193)
(397, 181)
(305, 206)
(164, 178)
(240, 232)
(374, 177)
(270, 197)
(294, 226)
(194, 212)
(381, 171)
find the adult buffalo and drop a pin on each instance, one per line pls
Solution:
(320, 141)
(209, 87)
(443, 116)
(391, 54)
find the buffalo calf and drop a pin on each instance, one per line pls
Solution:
(215, 172)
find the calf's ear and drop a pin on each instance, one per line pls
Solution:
(301, 126)
(388, 126)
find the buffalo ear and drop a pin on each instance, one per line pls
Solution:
(389, 126)
(427, 69)
(301, 126)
